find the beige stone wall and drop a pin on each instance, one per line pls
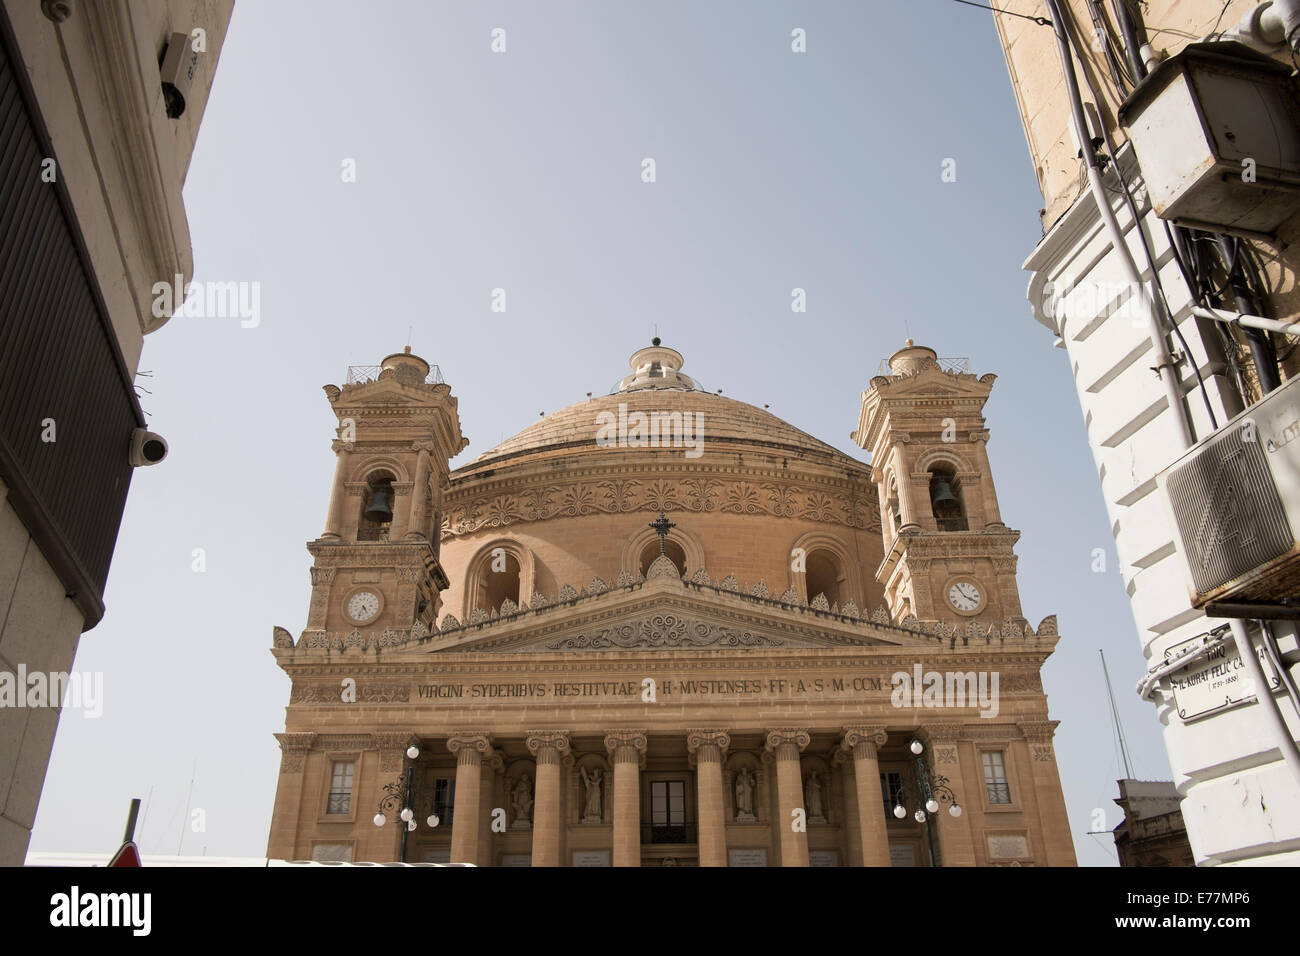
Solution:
(1039, 85)
(574, 550)
(1035, 819)
(97, 86)
(39, 628)
(98, 95)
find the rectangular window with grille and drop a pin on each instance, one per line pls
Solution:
(444, 800)
(891, 789)
(995, 778)
(340, 800)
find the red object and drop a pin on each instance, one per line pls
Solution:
(127, 855)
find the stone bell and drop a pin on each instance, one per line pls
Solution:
(380, 508)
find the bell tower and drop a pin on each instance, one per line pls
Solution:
(377, 570)
(948, 556)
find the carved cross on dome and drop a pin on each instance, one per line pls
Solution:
(662, 526)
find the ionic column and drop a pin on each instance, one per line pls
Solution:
(786, 745)
(627, 753)
(334, 515)
(706, 749)
(549, 748)
(469, 750)
(420, 489)
(862, 744)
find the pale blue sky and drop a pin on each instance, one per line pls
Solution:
(521, 171)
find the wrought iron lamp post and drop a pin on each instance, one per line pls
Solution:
(400, 793)
(930, 791)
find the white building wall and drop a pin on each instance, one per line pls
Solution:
(1240, 803)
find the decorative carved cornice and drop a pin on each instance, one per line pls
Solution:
(786, 743)
(392, 748)
(322, 575)
(293, 750)
(987, 731)
(345, 743)
(1038, 731)
(941, 732)
(367, 693)
(664, 630)
(468, 512)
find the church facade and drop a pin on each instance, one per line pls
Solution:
(663, 627)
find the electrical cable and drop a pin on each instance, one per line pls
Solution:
(1041, 21)
(1127, 193)
(1101, 27)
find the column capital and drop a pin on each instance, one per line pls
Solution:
(625, 745)
(293, 750)
(392, 748)
(780, 741)
(547, 746)
(863, 741)
(425, 446)
(1038, 731)
(704, 743)
(471, 747)
(344, 446)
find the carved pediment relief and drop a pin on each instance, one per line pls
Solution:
(675, 629)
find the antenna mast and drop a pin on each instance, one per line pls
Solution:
(1114, 716)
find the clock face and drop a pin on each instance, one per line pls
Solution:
(964, 596)
(363, 606)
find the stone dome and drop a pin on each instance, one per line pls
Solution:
(657, 386)
(565, 506)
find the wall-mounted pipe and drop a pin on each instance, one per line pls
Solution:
(1165, 367)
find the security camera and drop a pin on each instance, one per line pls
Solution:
(179, 64)
(147, 448)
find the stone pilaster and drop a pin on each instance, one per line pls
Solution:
(549, 748)
(956, 842)
(863, 744)
(785, 745)
(282, 844)
(470, 749)
(321, 579)
(334, 515)
(1052, 816)
(706, 749)
(419, 491)
(627, 753)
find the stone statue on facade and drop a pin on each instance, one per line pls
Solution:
(523, 802)
(745, 797)
(813, 797)
(591, 811)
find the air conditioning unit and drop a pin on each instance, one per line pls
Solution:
(1234, 499)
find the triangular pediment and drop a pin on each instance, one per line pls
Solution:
(666, 615)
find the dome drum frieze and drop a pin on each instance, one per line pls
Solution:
(703, 495)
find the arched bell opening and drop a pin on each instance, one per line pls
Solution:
(376, 508)
(946, 499)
